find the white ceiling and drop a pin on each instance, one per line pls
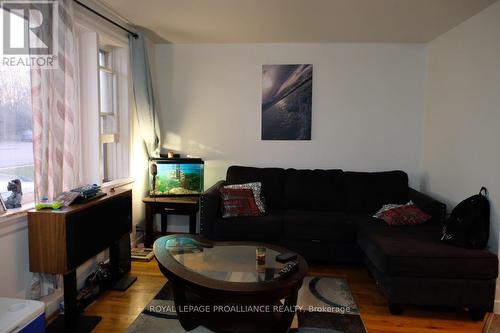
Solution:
(288, 21)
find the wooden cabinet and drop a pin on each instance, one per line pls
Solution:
(169, 206)
(62, 240)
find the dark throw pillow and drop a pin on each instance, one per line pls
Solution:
(256, 188)
(238, 202)
(404, 215)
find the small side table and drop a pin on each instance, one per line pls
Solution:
(165, 206)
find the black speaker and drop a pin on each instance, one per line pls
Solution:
(120, 254)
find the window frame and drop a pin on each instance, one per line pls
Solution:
(108, 68)
(114, 113)
(116, 44)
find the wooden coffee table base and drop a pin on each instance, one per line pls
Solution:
(229, 322)
(187, 320)
(219, 284)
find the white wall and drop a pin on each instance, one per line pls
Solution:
(367, 105)
(461, 123)
(462, 119)
(14, 259)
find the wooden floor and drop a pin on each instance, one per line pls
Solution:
(119, 309)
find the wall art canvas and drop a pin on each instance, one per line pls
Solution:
(286, 102)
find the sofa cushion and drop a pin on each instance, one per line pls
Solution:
(322, 226)
(416, 251)
(266, 227)
(314, 190)
(271, 179)
(369, 191)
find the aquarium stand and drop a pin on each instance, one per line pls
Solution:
(165, 206)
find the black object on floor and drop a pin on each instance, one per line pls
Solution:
(124, 283)
(121, 264)
(83, 324)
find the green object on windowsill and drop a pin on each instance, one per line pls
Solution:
(46, 205)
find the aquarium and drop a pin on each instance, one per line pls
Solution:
(175, 176)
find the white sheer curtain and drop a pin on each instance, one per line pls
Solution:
(56, 143)
(56, 138)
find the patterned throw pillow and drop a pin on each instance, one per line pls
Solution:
(405, 215)
(378, 214)
(257, 193)
(238, 202)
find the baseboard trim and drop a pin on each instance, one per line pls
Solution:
(52, 302)
(496, 307)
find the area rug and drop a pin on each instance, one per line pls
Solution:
(324, 305)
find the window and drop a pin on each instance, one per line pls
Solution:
(104, 93)
(113, 113)
(106, 78)
(16, 135)
(107, 114)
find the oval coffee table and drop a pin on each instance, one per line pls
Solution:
(219, 284)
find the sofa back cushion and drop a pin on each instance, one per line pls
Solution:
(319, 190)
(367, 192)
(271, 179)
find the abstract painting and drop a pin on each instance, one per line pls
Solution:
(286, 102)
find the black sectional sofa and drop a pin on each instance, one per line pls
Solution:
(326, 215)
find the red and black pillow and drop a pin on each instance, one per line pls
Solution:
(238, 202)
(408, 214)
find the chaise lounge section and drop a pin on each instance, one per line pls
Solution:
(412, 266)
(326, 215)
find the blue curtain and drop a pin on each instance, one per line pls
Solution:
(143, 94)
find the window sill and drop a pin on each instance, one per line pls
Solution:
(118, 183)
(16, 213)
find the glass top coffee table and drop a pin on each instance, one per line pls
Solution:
(225, 288)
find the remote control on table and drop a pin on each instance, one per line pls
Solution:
(289, 268)
(87, 190)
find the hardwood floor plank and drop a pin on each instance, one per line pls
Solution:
(119, 309)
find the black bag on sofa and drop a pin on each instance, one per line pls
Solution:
(469, 222)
